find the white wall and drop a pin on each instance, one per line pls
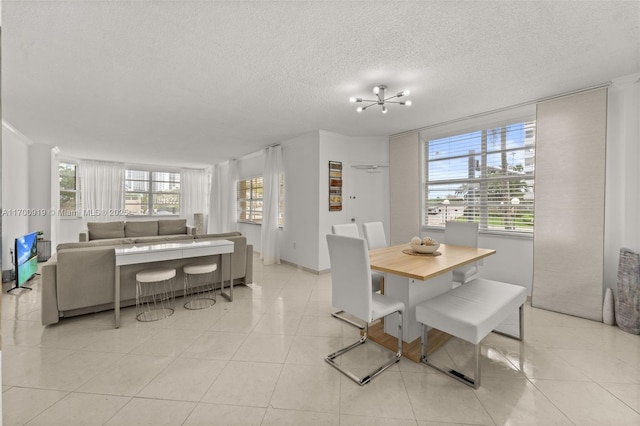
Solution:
(299, 237)
(512, 263)
(348, 150)
(40, 186)
(307, 219)
(15, 191)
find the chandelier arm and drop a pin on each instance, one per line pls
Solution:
(390, 97)
(370, 105)
(369, 100)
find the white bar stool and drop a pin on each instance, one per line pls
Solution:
(154, 294)
(197, 288)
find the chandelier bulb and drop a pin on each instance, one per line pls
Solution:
(352, 99)
(359, 109)
(408, 103)
(376, 90)
(406, 92)
(384, 109)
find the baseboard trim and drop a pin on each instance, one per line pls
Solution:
(304, 268)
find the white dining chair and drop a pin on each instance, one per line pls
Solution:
(376, 238)
(353, 294)
(351, 230)
(374, 234)
(463, 234)
(346, 229)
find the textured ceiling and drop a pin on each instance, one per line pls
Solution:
(195, 83)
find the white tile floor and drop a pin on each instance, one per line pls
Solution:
(260, 361)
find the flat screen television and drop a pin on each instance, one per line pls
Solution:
(26, 258)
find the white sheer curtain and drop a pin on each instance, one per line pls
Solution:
(270, 252)
(55, 197)
(223, 210)
(194, 193)
(102, 190)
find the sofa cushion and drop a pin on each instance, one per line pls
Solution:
(163, 239)
(172, 226)
(222, 235)
(96, 243)
(147, 228)
(102, 230)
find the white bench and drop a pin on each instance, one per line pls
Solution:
(470, 312)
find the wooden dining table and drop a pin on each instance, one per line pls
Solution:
(413, 278)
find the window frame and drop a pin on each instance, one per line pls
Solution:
(150, 192)
(517, 229)
(251, 199)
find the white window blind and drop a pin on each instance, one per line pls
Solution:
(484, 176)
(250, 200)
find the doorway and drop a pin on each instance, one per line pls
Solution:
(367, 195)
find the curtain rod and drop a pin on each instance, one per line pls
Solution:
(523, 104)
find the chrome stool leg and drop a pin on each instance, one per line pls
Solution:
(199, 286)
(154, 294)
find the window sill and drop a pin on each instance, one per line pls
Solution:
(489, 232)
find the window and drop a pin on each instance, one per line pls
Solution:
(69, 189)
(151, 193)
(484, 176)
(250, 200)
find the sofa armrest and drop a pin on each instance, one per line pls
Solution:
(83, 236)
(49, 296)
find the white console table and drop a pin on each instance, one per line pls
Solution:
(168, 251)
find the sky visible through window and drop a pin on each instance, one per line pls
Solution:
(458, 157)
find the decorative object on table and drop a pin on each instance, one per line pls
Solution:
(424, 245)
(380, 92)
(608, 311)
(198, 223)
(627, 308)
(335, 186)
(410, 252)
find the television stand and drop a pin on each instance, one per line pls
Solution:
(23, 287)
(18, 287)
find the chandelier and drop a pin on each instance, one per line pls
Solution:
(380, 91)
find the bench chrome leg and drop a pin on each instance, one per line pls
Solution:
(521, 327)
(366, 379)
(474, 382)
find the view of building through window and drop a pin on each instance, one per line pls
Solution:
(485, 176)
(152, 192)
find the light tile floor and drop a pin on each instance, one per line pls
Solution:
(260, 361)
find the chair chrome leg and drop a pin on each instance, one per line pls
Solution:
(366, 379)
(339, 315)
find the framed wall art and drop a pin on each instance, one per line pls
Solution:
(335, 186)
